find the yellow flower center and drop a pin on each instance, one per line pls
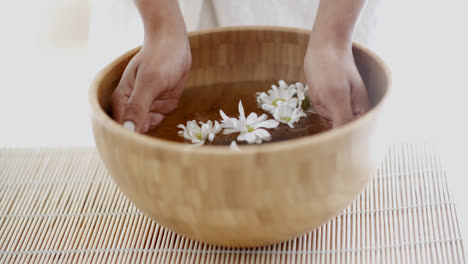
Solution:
(250, 129)
(279, 99)
(287, 119)
(199, 136)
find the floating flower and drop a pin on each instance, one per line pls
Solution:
(287, 104)
(284, 93)
(251, 129)
(213, 128)
(199, 134)
(286, 114)
(301, 92)
(303, 100)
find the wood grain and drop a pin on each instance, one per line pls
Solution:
(263, 194)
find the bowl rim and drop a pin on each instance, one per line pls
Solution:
(105, 120)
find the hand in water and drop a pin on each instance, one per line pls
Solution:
(336, 89)
(153, 81)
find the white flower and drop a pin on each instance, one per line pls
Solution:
(234, 146)
(301, 92)
(282, 84)
(284, 93)
(251, 129)
(286, 114)
(199, 134)
(302, 97)
(213, 128)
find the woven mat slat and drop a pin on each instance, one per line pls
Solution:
(61, 206)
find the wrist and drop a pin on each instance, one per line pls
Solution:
(163, 30)
(335, 37)
(162, 18)
(335, 22)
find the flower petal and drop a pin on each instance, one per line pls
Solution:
(252, 118)
(198, 144)
(263, 98)
(282, 84)
(250, 137)
(241, 125)
(196, 140)
(266, 98)
(262, 133)
(211, 137)
(216, 128)
(234, 146)
(205, 130)
(241, 110)
(276, 115)
(268, 108)
(292, 90)
(262, 118)
(223, 115)
(228, 124)
(192, 126)
(267, 124)
(187, 136)
(292, 102)
(300, 86)
(230, 131)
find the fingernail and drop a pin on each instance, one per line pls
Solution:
(129, 125)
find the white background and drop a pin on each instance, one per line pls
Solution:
(45, 70)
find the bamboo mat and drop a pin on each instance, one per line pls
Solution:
(61, 206)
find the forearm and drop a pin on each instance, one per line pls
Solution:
(336, 20)
(160, 14)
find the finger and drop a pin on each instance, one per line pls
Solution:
(342, 114)
(167, 102)
(152, 120)
(118, 101)
(164, 106)
(137, 108)
(317, 105)
(339, 105)
(359, 97)
(322, 111)
(177, 90)
(123, 90)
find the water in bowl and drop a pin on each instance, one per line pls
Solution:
(203, 103)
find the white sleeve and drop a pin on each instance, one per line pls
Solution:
(289, 13)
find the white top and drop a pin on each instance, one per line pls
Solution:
(116, 25)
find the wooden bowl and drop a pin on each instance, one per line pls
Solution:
(263, 194)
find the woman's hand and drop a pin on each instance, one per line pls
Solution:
(155, 77)
(336, 89)
(153, 80)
